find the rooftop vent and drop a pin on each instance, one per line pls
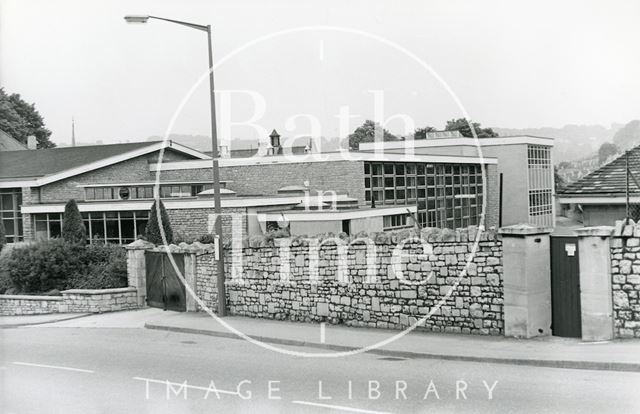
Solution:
(443, 134)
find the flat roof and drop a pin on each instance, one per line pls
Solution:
(323, 157)
(466, 141)
(323, 215)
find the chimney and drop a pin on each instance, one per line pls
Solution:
(32, 143)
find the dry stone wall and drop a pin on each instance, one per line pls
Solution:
(625, 273)
(456, 285)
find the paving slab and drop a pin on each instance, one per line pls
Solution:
(28, 320)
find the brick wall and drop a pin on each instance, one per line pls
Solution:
(133, 170)
(625, 273)
(340, 176)
(193, 222)
(71, 301)
(475, 306)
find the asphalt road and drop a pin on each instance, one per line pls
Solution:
(85, 370)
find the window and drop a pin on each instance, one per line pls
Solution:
(447, 195)
(144, 192)
(540, 176)
(118, 227)
(395, 221)
(10, 203)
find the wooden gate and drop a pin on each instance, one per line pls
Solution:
(164, 289)
(566, 317)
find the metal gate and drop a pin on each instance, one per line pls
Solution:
(566, 317)
(164, 288)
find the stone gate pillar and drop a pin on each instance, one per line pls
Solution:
(137, 269)
(527, 280)
(595, 283)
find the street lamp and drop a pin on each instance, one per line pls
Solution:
(222, 308)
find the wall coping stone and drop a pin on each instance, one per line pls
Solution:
(524, 229)
(601, 231)
(139, 245)
(98, 291)
(31, 297)
(622, 229)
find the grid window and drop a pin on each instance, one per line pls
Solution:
(10, 203)
(540, 178)
(446, 195)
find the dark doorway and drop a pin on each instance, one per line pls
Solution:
(164, 289)
(346, 226)
(566, 317)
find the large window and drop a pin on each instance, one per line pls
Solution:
(540, 170)
(447, 195)
(144, 192)
(10, 202)
(118, 227)
(396, 221)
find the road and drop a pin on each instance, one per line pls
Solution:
(118, 370)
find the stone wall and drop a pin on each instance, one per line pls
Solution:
(194, 222)
(343, 295)
(625, 274)
(71, 301)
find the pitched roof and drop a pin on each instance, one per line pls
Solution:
(32, 164)
(608, 179)
(9, 143)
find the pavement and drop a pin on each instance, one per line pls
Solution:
(555, 352)
(27, 320)
(317, 339)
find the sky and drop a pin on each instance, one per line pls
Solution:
(296, 65)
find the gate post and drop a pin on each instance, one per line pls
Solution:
(595, 283)
(137, 269)
(527, 280)
(190, 278)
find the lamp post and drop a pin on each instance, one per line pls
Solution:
(222, 308)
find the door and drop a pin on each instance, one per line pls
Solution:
(566, 317)
(164, 289)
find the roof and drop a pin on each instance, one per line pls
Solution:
(609, 179)
(446, 142)
(38, 167)
(9, 143)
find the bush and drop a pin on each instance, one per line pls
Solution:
(73, 229)
(208, 238)
(152, 232)
(3, 237)
(58, 264)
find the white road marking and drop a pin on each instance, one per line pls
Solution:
(339, 407)
(29, 364)
(322, 332)
(193, 387)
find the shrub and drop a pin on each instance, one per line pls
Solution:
(58, 265)
(152, 232)
(3, 237)
(208, 238)
(105, 267)
(45, 265)
(73, 229)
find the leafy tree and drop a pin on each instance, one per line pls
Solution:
(73, 230)
(559, 181)
(3, 237)
(421, 133)
(152, 232)
(367, 132)
(605, 151)
(628, 136)
(462, 125)
(21, 119)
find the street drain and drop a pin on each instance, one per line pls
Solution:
(392, 359)
(188, 342)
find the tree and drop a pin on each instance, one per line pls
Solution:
(605, 151)
(367, 132)
(73, 230)
(21, 119)
(3, 237)
(628, 136)
(152, 232)
(462, 125)
(559, 181)
(421, 133)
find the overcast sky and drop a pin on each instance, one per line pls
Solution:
(511, 63)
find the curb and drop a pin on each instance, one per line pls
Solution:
(18, 325)
(564, 364)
